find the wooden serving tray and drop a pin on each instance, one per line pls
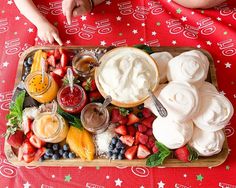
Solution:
(201, 162)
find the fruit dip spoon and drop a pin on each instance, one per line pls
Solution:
(160, 108)
(70, 78)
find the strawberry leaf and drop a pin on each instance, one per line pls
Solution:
(193, 154)
(123, 111)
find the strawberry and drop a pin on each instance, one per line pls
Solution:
(131, 152)
(29, 134)
(16, 139)
(20, 154)
(60, 72)
(39, 153)
(64, 60)
(27, 125)
(186, 154)
(143, 139)
(36, 142)
(137, 135)
(131, 130)
(123, 120)
(146, 113)
(51, 61)
(142, 128)
(56, 78)
(94, 96)
(121, 129)
(143, 151)
(27, 148)
(28, 158)
(89, 85)
(50, 52)
(127, 139)
(119, 116)
(154, 149)
(132, 119)
(57, 54)
(149, 132)
(151, 141)
(148, 121)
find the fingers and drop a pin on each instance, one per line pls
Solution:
(57, 38)
(67, 10)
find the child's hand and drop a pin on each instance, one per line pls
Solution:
(75, 8)
(48, 33)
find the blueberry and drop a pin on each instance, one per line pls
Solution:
(55, 147)
(114, 156)
(141, 107)
(119, 144)
(26, 64)
(49, 152)
(49, 145)
(111, 146)
(65, 155)
(46, 156)
(55, 157)
(136, 125)
(114, 140)
(60, 152)
(71, 155)
(41, 159)
(115, 150)
(130, 110)
(24, 77)
(122, 151)
(66, 147)
(30, 60)
(110, 153)
(140, 115)
(120, 156)
(27, 69)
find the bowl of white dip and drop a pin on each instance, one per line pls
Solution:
(126, 74)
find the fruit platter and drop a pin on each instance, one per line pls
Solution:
(112, 106)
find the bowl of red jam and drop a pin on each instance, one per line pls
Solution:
(72, 101)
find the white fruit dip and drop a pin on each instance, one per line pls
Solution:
(188, 68)
(126, 75)
(215, 112)
(171, 133)
(208, 87)
(207, 143)
(162, 59)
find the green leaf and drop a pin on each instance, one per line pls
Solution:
(158, 158)
(145, 48)
(73, 120)
(123, 111)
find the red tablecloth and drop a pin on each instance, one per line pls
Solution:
(121, 23)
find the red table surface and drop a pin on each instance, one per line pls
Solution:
(123, 23)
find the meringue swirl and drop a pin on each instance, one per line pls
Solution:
(172, 134)
(215, 112)
(207, 143)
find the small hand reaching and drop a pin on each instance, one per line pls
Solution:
(48, 33)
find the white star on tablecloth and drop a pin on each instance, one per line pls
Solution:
(218, 18)
(5, 64)
(102, 43)
(83, 18)
(118, 182)
(30, 30)
(143, 24)
(174, 42)
(108, 2)
(227, 65)
(154, 33)
(68, 42)
(198, 46)
(128, 24)
(9, 2)
(17, 18)
(141, 186)
(141, 39)
(209, 43)
(118, 18)
(185, 175)
(184, 18)
(192, 13)
(135, 31)
(27, 185)
(80, 167)
(161, 184)
(168, 1)
(53, 176)
(107, 177)
(3, 81)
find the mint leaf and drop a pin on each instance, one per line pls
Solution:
(145, 48)
(123, 111)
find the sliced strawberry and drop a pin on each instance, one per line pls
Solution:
(146, 113)
(127, 139)
(186, 154)
(154, 149)
(39, 153)
(28, 148)
(131, 130)
(29, 134)
(27, 125)
(57, 78)
(51, 61)
(28, 158)
(132, 119)
(16, 139)
(94, 96)
(121, 129)
(20, 153)
(57, 54)
(89, 85)
(123, 120)
(151, 141)
(64, 60)
(149, 132)
(143, 139)
(36, 142)
(50, 52)
(142, 128)
(115, 115)
(131, 152)
(60, 72)
(143, 151)
(137, 135)
(148, 121)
